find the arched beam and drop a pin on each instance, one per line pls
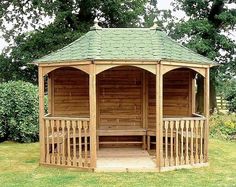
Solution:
(103, 67)
(167, 69)
(48, 69)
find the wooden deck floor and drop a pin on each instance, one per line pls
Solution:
(124, 160)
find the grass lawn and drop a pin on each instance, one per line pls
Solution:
(19, 167)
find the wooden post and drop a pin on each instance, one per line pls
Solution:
(41, 114)
(206, 112)
(159, 117)
(92, 107)
(193, 95)
(49, 94)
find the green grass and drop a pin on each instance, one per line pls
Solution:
(19, 167)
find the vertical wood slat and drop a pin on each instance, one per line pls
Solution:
(80, 144)
(86, 144)
(196, 141)
(63, 141)
(166, 143)
(68, 143)
(191, 127)
(177, 143)
(201, 142)
(187, 142)
(171, 143)
(74, 142)
(47, 141)
(53, 151)
(58, 143)
(182, 142)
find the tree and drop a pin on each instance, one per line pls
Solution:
(205, 30)
(71, 18)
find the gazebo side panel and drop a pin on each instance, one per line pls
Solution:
(71, 93)
(177, 95)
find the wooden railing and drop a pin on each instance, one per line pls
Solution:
(67, 141)
(183, 141)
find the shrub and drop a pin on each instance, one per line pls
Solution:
(231, 98)
(223, 126)
(18, 111)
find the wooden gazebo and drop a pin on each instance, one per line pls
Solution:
(118, 89)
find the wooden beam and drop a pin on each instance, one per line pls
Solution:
(62, 63)
(206, 108)
(186, 64)
(100, 67)
(41, 114)
(169, 67)
(159, 115)
(92, 106)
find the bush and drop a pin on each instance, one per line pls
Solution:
(231, 98)
(18, 111)
(223, 126)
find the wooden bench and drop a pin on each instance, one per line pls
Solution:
(122, 132)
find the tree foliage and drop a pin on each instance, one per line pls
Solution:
(71, 18)
(205, 31)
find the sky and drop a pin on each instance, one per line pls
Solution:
(162, 4)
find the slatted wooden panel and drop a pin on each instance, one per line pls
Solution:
(183, 141)
(67, 141)
(120, 98)
(177, 95)
(70, 92)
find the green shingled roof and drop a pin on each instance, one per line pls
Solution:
(124, 44)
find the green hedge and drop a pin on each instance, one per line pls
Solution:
(18, 111)
(223, 126)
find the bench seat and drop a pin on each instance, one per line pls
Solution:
(122, 132)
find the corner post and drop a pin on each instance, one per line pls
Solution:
(41, 114)
(206, 111)
(92, 109)
(159, 116)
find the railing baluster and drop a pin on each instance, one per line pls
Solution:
(191, 156)
(80, 144)
(171, 143)
(53, 151)
(47, 141)
(63, 141)
(68, 143)
(85, 142)
(58, 143)
(201, 142)
(176, 143)
(186, 150)
(196, 137)
(74, 142)
(182, 142)
(166, 143)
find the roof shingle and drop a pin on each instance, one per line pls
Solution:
(125, 44)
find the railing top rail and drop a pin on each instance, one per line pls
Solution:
(183, 118)
(66, 118)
